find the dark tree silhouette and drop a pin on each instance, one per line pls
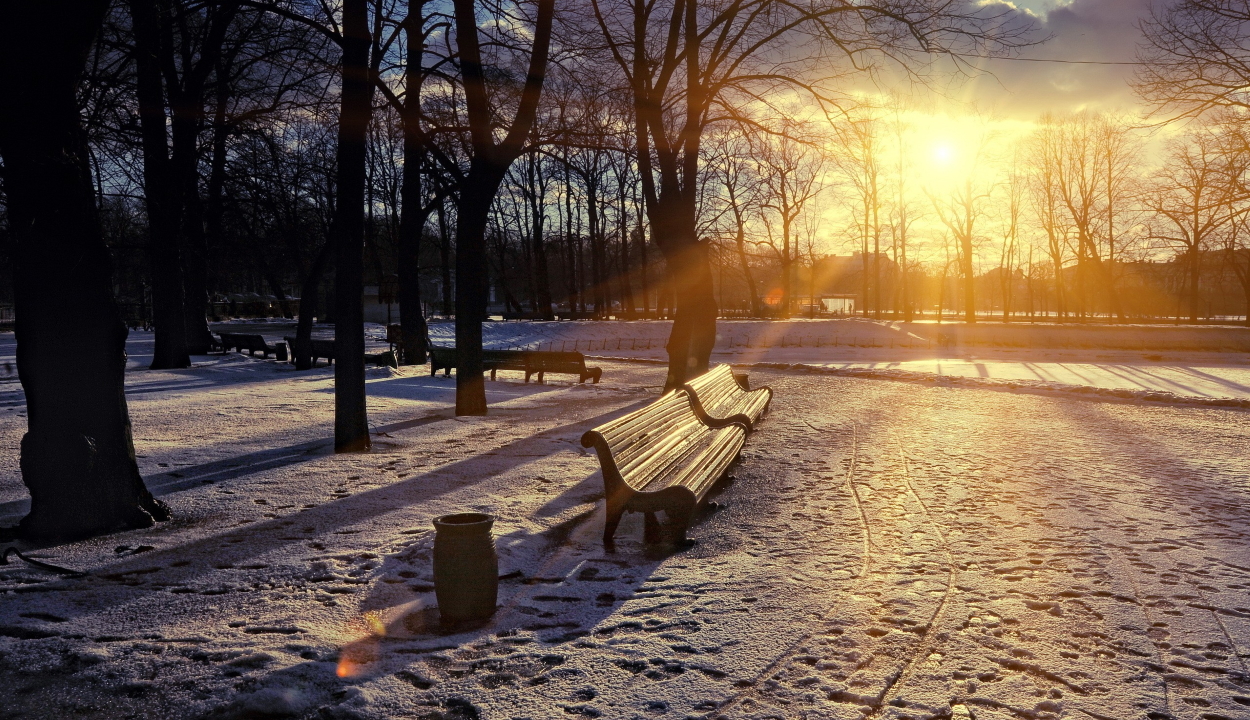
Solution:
(1194, 57)
(351, 423)
(487, 166)
(77, 457)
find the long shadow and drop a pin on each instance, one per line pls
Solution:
(1196, 485)
(231, 468)
(1232, 385)
(1147, 380)
(238, 545)
(196, 379)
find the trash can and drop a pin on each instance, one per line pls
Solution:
(466, 567)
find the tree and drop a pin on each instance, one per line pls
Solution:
(351, 422)
(731, 160)
(178, 74)
(689, 65)
(77, 457)
(1195, 197)
(960, 211)
(1045, 148)
(489, 162)
(1195, 57)
(1090, 163)
(858, 157)
(791, 171)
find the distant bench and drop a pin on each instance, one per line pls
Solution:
(530, 362)
(311, 348)
(252, 344)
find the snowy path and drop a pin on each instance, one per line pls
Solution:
(887, 550)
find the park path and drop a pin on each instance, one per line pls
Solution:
(886, 550)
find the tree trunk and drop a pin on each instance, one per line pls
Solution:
(542, 276)
(161, 194)
(308, 308)
(444, 255)
(351, 423)
(693, 334)
(413, 331)
(787, 270)
(77, 457)
(215, 207)
(411, 224)
(195, 271)
(746, 272)
(476, 196)
(970, 303)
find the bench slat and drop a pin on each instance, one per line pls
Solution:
(718, 399)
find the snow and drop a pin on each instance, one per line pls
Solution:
(920, 549)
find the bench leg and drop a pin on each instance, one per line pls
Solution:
(679, 522)
(610, 521)
(651, 528)
(492, 374)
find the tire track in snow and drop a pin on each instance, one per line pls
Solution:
(896, 681)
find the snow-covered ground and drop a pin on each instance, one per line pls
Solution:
(891, 351)
(886, 550)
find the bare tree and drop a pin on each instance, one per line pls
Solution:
(689, 65)
(730, 159)
(488, 164)
(1195, 57)
(1195, 197)
(858, 157)
(791, 171)
(77, 457)
(961, 211)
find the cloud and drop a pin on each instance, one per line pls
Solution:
(1090, 30)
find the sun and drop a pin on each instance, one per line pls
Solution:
(943, 153)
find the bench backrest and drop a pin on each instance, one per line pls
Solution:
(715, 387)
(643, 443)
(505, 359)
(549, 361)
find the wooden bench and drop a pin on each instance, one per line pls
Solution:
(530, 362)
(314, 349)
(572, 363)
(718, 399)
(252, 344)
(662, 457)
